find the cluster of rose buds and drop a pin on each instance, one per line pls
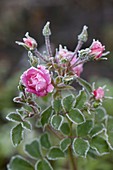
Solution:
(65, 64)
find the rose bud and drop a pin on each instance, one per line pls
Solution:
(96, 49)
(98, 93)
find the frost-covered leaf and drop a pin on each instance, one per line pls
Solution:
(45, 141)
(109, 125)
(80, 147)
(55, 153)
(81, 99)
(46, 114)
(100, 114)
(43, 165)
(76, 116)
(57, 105)
(68, 102)
(15, 117)
(97, 129)
(65, 129)
(19, 163)
(17, 134)
(100, 145)
(84, 128)
(65, 143)
(56, 121)
(33, 149)
(27, 125)
(84, 84)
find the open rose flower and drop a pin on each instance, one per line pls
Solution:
(37, 81)
(28, 42)
(98, 93)
(65, 57)
(97, 49)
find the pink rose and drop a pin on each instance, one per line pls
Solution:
(98, 93)
(37, 81)
(29, 42)
(64, 58)
(97, 49)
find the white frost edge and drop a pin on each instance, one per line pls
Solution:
(86, 149)
(45, 161)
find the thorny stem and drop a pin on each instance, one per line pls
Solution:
(38, 54)
(48, 46)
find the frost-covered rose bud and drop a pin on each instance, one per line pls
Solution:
(98, 93)
(97, 49)
(37, 81)
(28, 42)
(65, 58)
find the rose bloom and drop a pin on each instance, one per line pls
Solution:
(97, 49)
(63, 57)
(37, 81)
(98, 93)
(28, 42)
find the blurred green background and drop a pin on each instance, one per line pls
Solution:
(67, 18)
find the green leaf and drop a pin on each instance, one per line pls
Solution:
(100, 114)
(15, 117)
(76, 116)
(19, 163)
(43, 165)
(81, 99)
(84, 128)
(110, 124)
(44, 140)
(97, 130)
(80, 147)
(27, 125)
(110, 139)
(46, 114)
(100, 145)
(55, 153)
(84, 84)
(33, 149)
(57, 105)
(68, 102)
(65, 129)
(56, 121)
(65, 143)
(110, 131)
(17, 134)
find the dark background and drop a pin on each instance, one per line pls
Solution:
(67, 18)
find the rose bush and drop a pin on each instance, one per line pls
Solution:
(70, 123)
